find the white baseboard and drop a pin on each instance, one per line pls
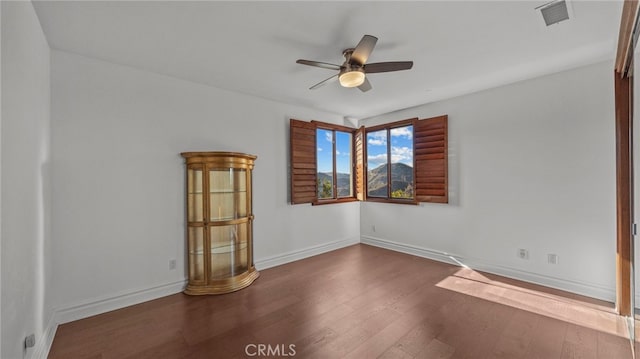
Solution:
(413, 250)
(43, 344)
(587, 289)
(107, 304)
(293, 256)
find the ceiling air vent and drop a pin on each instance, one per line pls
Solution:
(554, 12)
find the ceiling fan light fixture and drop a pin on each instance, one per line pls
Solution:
(353, 78)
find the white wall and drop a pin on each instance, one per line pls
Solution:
(119, 179)
(531, 165)
(25, 182)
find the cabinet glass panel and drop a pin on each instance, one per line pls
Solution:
(228, 194)
(225, 206)
(229, 255)
(227, 180)
(196, 254)
(194, 195)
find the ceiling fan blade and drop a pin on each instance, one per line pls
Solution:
(324, 82)
(323, 65)
(366, 85)
(388, 66)
(363, 49)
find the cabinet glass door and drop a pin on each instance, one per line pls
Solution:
(229, 255)
(196, 254)
(228, 194)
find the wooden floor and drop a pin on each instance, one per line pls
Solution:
(358, 302)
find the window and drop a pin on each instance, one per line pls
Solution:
(325, 157)
(405, 162)
(390, 173)
(322, 162)
(334, 164)
(377, 159)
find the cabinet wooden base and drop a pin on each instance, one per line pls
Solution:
(225, 285)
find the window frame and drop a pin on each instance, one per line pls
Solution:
(335, 199)
(388, 127)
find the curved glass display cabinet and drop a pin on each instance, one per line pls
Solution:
(219, 222)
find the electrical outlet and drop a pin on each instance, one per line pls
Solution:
(30, 341)
(552, 258)
(172, 264)
(523, 253)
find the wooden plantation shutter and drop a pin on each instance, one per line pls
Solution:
(359, 154)
(303, 162)
(431, 160)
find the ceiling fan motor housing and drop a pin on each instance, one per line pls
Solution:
(351, 73)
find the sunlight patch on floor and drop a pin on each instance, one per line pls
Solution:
(601, 318)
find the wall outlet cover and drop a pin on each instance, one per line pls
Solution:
(30, 341)
(523, 253)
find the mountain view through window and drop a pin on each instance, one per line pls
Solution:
(340, 185)
(390, 158)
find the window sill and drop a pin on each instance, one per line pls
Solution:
(394, 201)
(333, 201)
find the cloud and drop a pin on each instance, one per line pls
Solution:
(377, 160)
(402, 132)
(401, 151)
(402, 154)
(378, 138)
(398, 154)
(329, 136)
(319, 149)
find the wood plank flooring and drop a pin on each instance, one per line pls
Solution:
(358, 302)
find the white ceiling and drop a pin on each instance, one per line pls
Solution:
(457, 47)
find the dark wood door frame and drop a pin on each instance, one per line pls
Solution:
(623, 87)
(624, 191)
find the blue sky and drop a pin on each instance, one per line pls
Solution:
(324, 140)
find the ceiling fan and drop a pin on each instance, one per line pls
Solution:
(352, 73)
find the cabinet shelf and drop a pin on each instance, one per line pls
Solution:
(221, 249)
(228, 220)
(219, 222)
